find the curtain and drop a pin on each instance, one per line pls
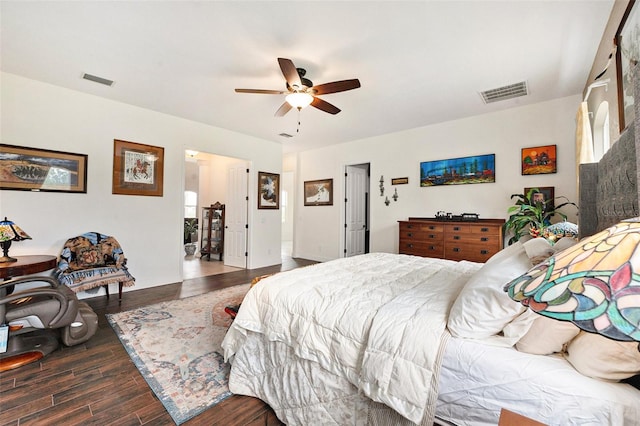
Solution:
(584, 141)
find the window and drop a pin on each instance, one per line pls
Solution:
(190, 204)
(601, 141)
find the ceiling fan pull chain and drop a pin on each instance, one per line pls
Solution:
(298, 129)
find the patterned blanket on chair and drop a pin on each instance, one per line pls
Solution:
(92, 260)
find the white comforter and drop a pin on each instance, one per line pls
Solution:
(377, 320)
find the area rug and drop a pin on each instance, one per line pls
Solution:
(176, 345)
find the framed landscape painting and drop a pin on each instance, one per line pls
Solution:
(35, 169)
(458, 171)
(318, 192)
(538, 160)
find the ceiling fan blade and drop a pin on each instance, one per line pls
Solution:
(284, 108)
(324, 106)
(262, 91)
(290, 73)
(336, 86)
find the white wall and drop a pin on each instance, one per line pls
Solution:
(40, 115)
(319, 230)
(286, 184)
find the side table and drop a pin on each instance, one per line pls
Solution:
(27, 265)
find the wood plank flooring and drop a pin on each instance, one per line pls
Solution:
(96, 383)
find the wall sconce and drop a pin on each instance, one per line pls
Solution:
(381, 186)
(386, 201)
(395, 195)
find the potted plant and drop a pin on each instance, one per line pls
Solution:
(531, 215)
(190, 230)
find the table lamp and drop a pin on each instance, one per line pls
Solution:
(9, 232)
(595, 284)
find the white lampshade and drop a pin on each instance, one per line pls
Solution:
(299, 100)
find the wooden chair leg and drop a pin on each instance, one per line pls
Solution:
(106, 287)
(120, 291)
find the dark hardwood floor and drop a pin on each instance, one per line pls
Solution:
(96, 383)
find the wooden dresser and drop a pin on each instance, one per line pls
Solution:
(474, 241)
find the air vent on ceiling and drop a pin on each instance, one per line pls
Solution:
(97, 79)
(505, 92)
(286, 135)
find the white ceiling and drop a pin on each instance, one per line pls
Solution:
(419, 62)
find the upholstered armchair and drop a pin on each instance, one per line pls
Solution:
(93, 260)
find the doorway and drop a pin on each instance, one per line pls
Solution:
(209, 177)
(356, 227)
(286, 205)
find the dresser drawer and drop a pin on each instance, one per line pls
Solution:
(485, 229)
(418, 235)
(420, 248)
(492, 240)
(421, 227)
(470, 252)
(452, 228)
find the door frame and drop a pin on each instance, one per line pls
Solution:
(250, 212)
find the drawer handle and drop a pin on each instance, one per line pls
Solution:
(484, 239)
(432, 247)
(432, 227)
(456, 228)
(456, 237)
(484, 229)
(432, 236)
(456, 249)
(409, 226)
(409, 245)
(409, 234)
(484, 251)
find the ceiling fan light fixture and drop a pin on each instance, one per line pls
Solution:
(299, 99)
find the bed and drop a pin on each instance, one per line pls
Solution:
(399, 340)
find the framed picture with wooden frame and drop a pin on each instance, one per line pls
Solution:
(35, 169)
(318, 192)
(138, 169)
(537, 160)
(543, 194)
(627, 56)
(268, 190)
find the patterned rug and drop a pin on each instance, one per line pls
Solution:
(176, 347)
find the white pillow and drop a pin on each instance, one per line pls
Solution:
(602, 358)
(483, 309)
(540, 249)
(547, 336)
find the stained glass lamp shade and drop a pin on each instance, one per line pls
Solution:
(595, 284)
(9, 232)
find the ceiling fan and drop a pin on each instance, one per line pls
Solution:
(301, 92)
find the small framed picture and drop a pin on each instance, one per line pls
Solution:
(400, 181)
(35, 169)
(543, 194)
(268, 190)
(137, 169)
(538, 160)
(318, 192)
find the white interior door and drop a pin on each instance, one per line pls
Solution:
(357, 182)
(235, 232)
